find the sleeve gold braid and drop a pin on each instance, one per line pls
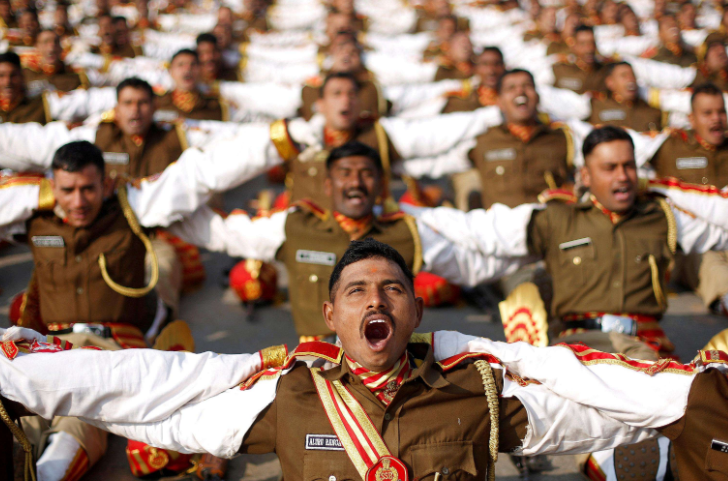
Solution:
(137, 230)
(491, 394)
(282, 141)
(46, 199)
(29, 470)
(383, 143)
(656, 282)
(671, 225)
(417, 262)
(274, 356)
(46, 108)
(181, 135)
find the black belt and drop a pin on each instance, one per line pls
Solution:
(84, 328)
(606, 323)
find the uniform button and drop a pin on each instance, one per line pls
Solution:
(705, 180)
(500, 170)
(387, 416)
(78, 258)
(313, 278)
(332, 478)
(577, 260)
(79, 291)
(112, 174)
(638, 259)
(616, 284)
(445, 471)
(312, 171)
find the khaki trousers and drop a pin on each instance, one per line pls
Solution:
(706, 274)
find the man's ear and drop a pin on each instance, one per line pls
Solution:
(420, 309)
(609, 83)
(109, 186)
(329, 315)
(585, 176)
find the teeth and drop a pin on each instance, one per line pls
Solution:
(520, 100)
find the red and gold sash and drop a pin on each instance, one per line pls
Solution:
(358, 435)
(384, 385)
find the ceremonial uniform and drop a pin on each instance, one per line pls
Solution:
(137, 156)
(372, 103)
(447, 70)
(39, 78)
(720, 79)
(126, 51)
(28, 109)
(637, 115)
(315, 240)
(581, 79)
(515, 165)
(675, 55)
(191, 105)
(468, 99)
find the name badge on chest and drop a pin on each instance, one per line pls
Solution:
(569, 83)
(166, 115)
(684, 163)
(323, 442)
(565, 246)
(316, 257)
(611, 115)
(118, 158)
(721, 446)
(500, 154)
(47, 241)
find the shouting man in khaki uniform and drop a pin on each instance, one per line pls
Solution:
(580, 70)
(15, 105)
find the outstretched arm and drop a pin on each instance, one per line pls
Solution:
(31, 146)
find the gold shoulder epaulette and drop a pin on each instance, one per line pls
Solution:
(391, 216)
(561, 195)
(315, 82)
(108, 116)
(454, 361)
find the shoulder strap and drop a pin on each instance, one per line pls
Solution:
(412, 225)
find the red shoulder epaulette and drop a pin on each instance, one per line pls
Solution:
(713, 357)
(453, 361)
(676, 132)
(674, 183)
(596, 95)
(23, 178)
(563, 58)
(391, 216)
(562, 195)
(461, 94)
(316, 81)
(31, 61)
(310, 206)
(649, 53)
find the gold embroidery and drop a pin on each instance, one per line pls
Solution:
(273, 356)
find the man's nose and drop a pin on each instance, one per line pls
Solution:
(377, 299)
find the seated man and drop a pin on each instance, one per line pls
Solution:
(714, 68)
(28, 26)
(108, 36)
(211, 62)
(361, 416)
(580, 71)
(15, 105)
(620, 105)
(46, 70)
(457, 63)
(489, 67)
(672, 49)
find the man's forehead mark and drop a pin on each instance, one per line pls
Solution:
(373, 270)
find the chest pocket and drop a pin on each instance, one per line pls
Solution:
(453, 460)
(50, 263)
(577, 261)
(328, 466)
(651, 260)
(312, 283)
(716, 463)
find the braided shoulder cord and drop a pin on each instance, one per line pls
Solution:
(491, 394)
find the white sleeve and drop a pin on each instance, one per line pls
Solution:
(392, 70)
(449, 162)
(186, 184)
(410, 97)
(31, 146)
(646, 145)
(237, 234)
(17, 204)
(132, 385)
(651, 73)
(273, 100)
(563, 104)
(707, 202)
(695, 234)
(499, 231)
(216, 425)
(433, 136)
(79, 104)
(461, 265)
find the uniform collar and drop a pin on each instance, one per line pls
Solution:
(424, 370)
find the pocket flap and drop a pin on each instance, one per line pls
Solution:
(329, 466)
(716, 461)
(443, 458)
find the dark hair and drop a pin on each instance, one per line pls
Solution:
(609, 68)
(354, 148)
(602, 135)
(493, 49)
(707, 88)
(514, 71)
(367, 249)
(30, 11)
(583, 28)
(118, 18)
(184, 51)
(11, 58)
(75, 156)
(206, 37)
(135, 83)
(341, 75)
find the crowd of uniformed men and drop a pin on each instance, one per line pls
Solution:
(357, 111)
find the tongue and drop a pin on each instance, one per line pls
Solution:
(377, 331)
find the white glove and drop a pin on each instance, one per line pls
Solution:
(16, 333)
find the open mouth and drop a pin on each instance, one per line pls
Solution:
(622, 193)
(520, 101)
(378, 329)
(356, 197)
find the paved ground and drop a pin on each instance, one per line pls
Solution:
(220, 324)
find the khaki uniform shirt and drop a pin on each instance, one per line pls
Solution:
(597, 266)
(70, 285)
(30, 109)
(468, 100)
(306, 177)
(683, 157)
(447, 72)
(636, 115)
(314, 244)
(64, 80)
(685, 59)
(206, 107)
(513, 172)
(161, 147)
(571, 77)
(127, 51)
(372, 104)
(720, 79)
(438, 422)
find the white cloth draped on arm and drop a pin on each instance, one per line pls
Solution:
(79, 104)
(651, 73)
(17, 204)
(272, 100)
(708, 203)
(31, 146)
